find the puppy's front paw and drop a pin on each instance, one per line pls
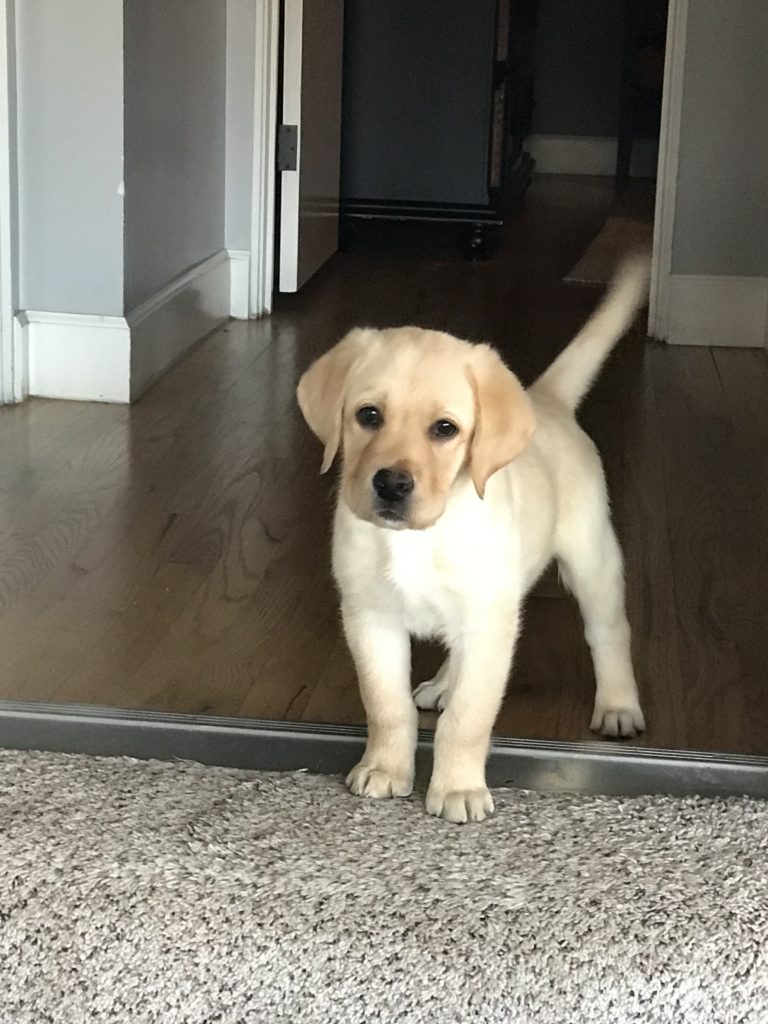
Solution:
(618, 722)
(460, 805)
(379, 783)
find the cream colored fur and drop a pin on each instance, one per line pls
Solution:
(519, 485)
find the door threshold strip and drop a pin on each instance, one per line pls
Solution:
(598, 767)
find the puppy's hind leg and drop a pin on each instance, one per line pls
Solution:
(433, 694)
(591, 566)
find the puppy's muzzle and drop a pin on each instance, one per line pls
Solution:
(392, 487)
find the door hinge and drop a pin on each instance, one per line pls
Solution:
(287, 147)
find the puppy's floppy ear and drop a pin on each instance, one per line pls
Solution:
(321, 391)
(504, 417)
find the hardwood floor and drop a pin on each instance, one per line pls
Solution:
(174, 555)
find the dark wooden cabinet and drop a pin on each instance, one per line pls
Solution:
(437, 105)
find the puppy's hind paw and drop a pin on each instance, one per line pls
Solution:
(432, 695)
(618, 722)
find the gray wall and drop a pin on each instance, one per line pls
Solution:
(70, 153)
(721, 215)
(578, 64)
(578, 67)
(241, 32)
(175, 109)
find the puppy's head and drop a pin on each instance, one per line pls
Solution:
(412, 411)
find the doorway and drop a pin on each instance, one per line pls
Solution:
(164, 581)
(566, 232)
(443, 119)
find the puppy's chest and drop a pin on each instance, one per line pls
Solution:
(421, 581)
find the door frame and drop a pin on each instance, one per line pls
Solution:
(243, 743)
(666, 177)
(11, 375)
(265, 98)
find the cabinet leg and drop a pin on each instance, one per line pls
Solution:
(479, 242)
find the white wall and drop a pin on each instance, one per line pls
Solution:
(70, 155)
(175, 111)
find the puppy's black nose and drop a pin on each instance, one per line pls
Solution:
(392, 484)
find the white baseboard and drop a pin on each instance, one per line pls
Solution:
(709, 310)
(73, 356)
(20, 358)
(169, 323)
(239, 283)
(589, 154)
(114, 359)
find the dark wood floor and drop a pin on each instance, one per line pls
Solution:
(174, 555)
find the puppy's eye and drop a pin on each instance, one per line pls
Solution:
(369, 416)
(443, 429)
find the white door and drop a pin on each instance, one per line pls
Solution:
(309, 194)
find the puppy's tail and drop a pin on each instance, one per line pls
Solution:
(569, 377)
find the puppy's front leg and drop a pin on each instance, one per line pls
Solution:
(381, 651)
(457, 791)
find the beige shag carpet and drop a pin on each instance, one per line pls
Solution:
(175, 894)
(618, 236)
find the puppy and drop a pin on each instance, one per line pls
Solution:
(458, 487)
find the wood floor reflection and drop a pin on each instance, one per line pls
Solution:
(174, 555)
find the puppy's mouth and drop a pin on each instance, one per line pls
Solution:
(391, 518)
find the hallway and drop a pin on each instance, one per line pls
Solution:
(174, 555)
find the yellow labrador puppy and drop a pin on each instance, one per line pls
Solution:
(458, 487)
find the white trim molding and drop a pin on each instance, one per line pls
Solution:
(89, 358)
(262, 267)
(710, 310)
(666, 177)
(239, 283)
(20, 359)
(169, 323)
(589, 154)
(74, 356)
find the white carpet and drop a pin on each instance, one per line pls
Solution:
(174, 894)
